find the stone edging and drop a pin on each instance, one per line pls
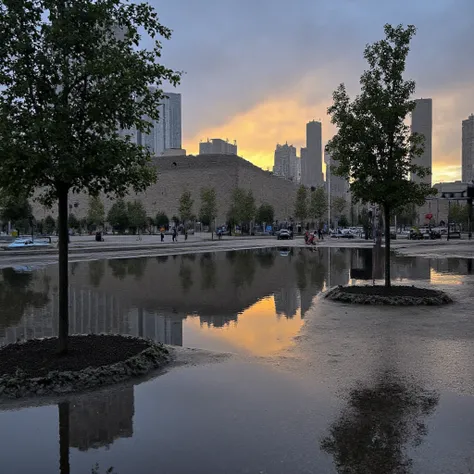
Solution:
(60, 383)
(436, 299)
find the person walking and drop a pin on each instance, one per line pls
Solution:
(162, 234)
(175, 235)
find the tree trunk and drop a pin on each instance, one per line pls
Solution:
(63, 234)
(64, 467)
(387, 246)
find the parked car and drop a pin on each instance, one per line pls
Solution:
(284, 234)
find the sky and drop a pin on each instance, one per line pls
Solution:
(257, 71)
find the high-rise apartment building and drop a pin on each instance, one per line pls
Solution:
(312, 156)
(468, 149)
(285, 162)
(216, 146)
(164, 134)
(422, 123)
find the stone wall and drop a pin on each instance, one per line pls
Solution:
(177, 174)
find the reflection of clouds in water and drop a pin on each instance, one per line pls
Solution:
(255, 330)
(379, 423)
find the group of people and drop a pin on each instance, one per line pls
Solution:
(174, 234)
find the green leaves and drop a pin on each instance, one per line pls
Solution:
(301, 203)
(374, 148)
(72, 75)
(318, 203)
(186, 203)
(265, 214)
(242, 209)
(208, 211)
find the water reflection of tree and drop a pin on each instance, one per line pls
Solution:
(266, 258)
(96, 272)
(243, 268)
(186, 276)
(208, 271)
(128, 267)
(373, 431)
(16, 296)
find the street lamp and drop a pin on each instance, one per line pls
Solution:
(327, 160)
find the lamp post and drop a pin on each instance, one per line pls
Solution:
(327, 160)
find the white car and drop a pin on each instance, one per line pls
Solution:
(28, 243)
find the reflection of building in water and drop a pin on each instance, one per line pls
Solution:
(98, 422)
(94, 312)
(157, 327)
(218, 321)
(287, 301)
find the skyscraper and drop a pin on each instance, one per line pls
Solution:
(312, 157)
(285, 162)
(164, 134)
(422, 123)
(468, 149)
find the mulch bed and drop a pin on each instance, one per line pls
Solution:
(37, 358)
(378, 290)
(393, 296)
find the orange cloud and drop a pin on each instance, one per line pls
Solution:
(281, 120)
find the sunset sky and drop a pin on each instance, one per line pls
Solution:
(257, 70)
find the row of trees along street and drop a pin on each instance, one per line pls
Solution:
(312, 205)
(63, 62)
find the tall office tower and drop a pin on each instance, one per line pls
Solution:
(285, 162)
(312, 158)
(216, 146)
(468, 149)
(422, 123)
(164, 134)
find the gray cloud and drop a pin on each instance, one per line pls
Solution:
(238, 52)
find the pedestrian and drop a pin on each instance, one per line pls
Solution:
(185, 234)
(162, 234)
(175, 235)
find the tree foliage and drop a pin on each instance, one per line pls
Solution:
(49, 225)
(339, 205)
(137, 219)
(162, 220)
(318, 204)
(95, 212)
(186, 203)
(265, 214)
(117, 216)
(74, 84)
(373, 147)
(208, 211)
(73, 221)
(242, 209)
(14, 208)
(301, 204)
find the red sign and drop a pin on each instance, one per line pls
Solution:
(429, 216)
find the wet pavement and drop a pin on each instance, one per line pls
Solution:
(312, 386)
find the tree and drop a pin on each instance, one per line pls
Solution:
(343, 221)
(265, 214)
(136, 216)
(117, 216)
(318, 204)
(96, 212)
(242, 209)
(373, 147)
(15, 208)
(49, 225)
(73, 221)
(186, 203)
(406, 215)
(301, 204)
(162, 220)
(339, 205)
(208, 211)
(70, 77)
(458, 213)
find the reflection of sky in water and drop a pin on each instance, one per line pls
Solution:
(256, 331)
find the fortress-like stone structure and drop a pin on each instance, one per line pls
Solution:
(177, 174)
